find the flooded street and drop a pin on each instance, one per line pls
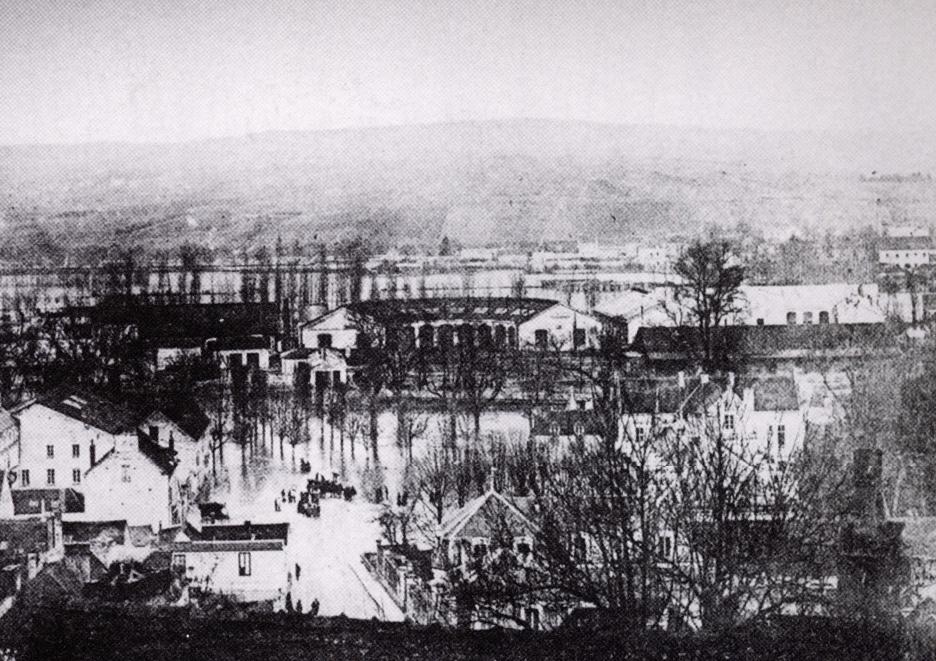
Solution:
(328, 549)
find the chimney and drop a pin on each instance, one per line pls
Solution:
(868, 467)
(681, 380)
(171, 442)
(731, 380)
(91, 453)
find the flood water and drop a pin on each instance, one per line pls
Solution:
(328, 549)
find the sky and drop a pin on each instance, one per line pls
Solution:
(173, 70)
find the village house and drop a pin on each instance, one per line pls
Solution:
(118, 460)
(322, 367)
(518, 322)
(246, 562)
(906, 251)
(469, 538)
(27, 544)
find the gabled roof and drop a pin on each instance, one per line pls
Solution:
(481, 516)
(90, 408)
(181, 410)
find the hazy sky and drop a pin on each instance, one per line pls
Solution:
(73, 70)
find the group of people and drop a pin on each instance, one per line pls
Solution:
(284, 497)
(297, 607)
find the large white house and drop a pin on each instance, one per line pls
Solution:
(523, 322)
(124, 461)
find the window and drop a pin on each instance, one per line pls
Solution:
(243, 563)
(50, 451)
(791, 318)
(479, 549)
(523, 546)
(253, 359)
(824, 317)
(541, 338)
(50, 477)
(665, 546)
(729, 421)
(154, 433)
(24, 478)
(76, 451)
(579, 548)
(760, 321)
(178, 561)
(125, 473)
(639, 433)
(76, 476)
(781, 436)
(324, 340)
(578, 337)
(236, 360)
(533, 617)
(807, 317)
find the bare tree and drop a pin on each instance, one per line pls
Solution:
(709, 290)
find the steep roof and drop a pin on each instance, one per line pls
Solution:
(90, 408)
(906, 243)
(481, 516)
(566, 423)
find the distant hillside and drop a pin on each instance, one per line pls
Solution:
(477, 182)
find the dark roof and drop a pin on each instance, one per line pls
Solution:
(906, 243)
(34, 501)
(24, 536)
(241, 532)
(193, 320)
(83, 532)
(90, 408)
(566, 423)
(164, 458)
(177, 342)
(300, 353)
(662, 342)
(772, 393)
(405, 311)
(198, 546)
(240, 343)
(180, 408)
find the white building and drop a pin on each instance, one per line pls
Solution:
(246, 562)
(523, 322)
(906, 251)
(810, 304)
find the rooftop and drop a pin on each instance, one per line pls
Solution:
(91, 409)
(404, 311)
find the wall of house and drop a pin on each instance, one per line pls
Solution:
(193, 456)
(128, 485)
(560, 321)
(40, 427)
(263, 357)
(218, 572)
